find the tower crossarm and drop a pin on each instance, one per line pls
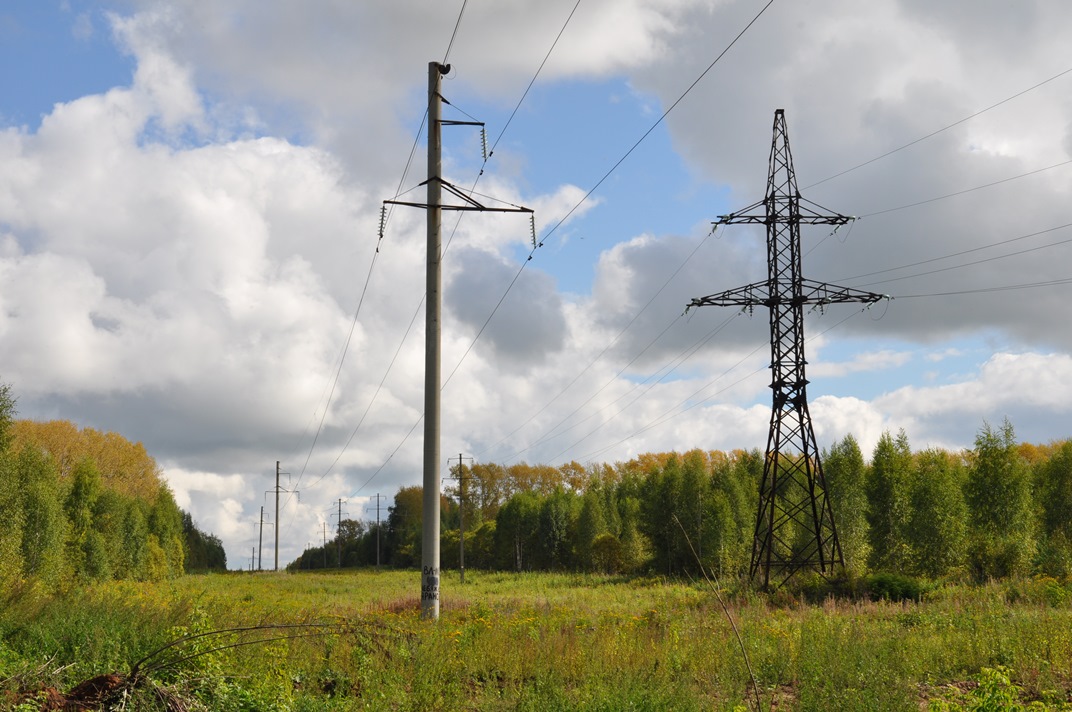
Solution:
(766, 212)
(821, 293)
(750, 295)
(810, 293)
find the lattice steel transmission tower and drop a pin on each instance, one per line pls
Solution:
(794, 522)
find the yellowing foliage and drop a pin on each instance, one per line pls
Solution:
(125, 467)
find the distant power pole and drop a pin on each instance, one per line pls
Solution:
(794, 522)
(433, 309)
(277, 490)
(338, 534)
(377, 497)
(260, 540)
(325, 524)
(462, 479)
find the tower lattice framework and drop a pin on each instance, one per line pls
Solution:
(794, 527)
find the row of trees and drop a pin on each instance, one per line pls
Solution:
(82, 505)
(1000, 509)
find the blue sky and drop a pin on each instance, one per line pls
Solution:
(189, 195)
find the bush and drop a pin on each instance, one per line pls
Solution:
(886, 586)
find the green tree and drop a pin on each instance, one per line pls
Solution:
(44, 525)
(7, 416)
(1053, 484)
(889, 488)
(204, 552)
(846, 487)
(133, 562)
(165, 532)
(403, 535)
(11, 513)
(557, 524)
(662, 488)
(516, 531)
(937, 531)
(1000, 517)
(480, 546)
(635, 547)
(696, 525)
(11, 532)
(81, 499)
(591, 523)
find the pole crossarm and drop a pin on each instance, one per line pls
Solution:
(471, 204)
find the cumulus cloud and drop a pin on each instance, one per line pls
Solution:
(182, 257)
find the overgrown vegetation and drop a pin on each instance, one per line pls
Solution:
(79, 505)
(533, 641)
(1000, 510)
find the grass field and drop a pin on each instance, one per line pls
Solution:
(354, 640)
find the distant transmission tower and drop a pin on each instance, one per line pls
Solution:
(794, 523)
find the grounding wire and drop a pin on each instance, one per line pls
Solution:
(457, 24)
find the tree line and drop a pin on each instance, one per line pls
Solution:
(80, 505)
(997, 510)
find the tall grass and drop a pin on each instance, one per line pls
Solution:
(540, 642)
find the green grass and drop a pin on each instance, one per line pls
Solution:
(541, 642)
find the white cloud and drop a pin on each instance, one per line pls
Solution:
(181, 257)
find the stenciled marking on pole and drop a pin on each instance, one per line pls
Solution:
(430, 583)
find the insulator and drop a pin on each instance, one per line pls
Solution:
(484, 141)
(532, 228)
(383, 219)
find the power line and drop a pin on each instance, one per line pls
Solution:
(601, 180)
(594, 188)
(681, 408)
(966, 190)
(958, 254)
(398, 193)
(607, 348)
(357, 310)
(972, 264)
(658, 121)
(988, 290)
(944, 128)
(669, 368)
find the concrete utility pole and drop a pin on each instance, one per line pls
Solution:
(433, 308)
(277, 490)
(260, 540)
(338, 534)
(277, 515)
(462, 479)
(377, 497)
